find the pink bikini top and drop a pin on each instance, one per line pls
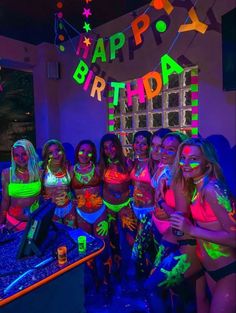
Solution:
(112, 176)
(202, 211)
(144, 176)
(170, 198)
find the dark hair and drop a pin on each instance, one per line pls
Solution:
(86, 142)
(177, 135)
(148, 135)
(161, 132)
(145, 133)
(45, 154)
(103, 162)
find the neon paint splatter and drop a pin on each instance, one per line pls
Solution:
(169, 152)
(186, 150)
(175, 275)
(224, 201)
(214, 250)
(194, 164)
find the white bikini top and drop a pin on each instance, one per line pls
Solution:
(51, 180)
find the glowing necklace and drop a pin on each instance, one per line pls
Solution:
(84, 178)
(112, 162)
(198, 181)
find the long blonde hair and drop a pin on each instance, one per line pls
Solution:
(213, 169)
(33, 162)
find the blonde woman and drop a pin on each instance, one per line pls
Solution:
(199, 175)
(21, 186)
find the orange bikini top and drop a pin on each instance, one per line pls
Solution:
(143, 176)
(112, 176)
(202, 211)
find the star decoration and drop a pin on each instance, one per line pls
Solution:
(87, 27)
(87, 1)
(87, 12)
(87, 41)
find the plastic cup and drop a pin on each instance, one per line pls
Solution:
(62, 255)
(177, 232)
(82, 244)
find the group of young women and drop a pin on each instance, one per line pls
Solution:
(167, 211)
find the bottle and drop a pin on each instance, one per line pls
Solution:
(177, 232)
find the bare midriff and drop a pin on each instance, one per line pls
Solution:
(88, 199)
(116, 193)
(143, 194)
(18, 205)
(58, 194)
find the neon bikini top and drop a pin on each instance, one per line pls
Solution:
(24, 190)
(170, 198)
(202, 211)
(161, 173)
(112, 176)
(93, 182)
(141, 176)
(51, 180)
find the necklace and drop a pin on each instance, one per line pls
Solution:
(84, 178)
(112, 162)
(199, 180)
(20, 171)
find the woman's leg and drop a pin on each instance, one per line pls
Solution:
(202, 299)
(103, 261)
(223, 297)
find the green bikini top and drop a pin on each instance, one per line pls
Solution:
(24, 190)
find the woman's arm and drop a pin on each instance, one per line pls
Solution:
(5, 197)
(221, 206)
(182, 203)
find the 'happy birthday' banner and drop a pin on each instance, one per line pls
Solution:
(84, 76)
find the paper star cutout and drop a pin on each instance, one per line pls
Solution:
(87, 27)
(87, 12)
(87, 41)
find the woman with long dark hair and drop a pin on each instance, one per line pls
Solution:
(143, 202)
(115, 169)
(91, 212)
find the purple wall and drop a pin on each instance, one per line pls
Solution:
(67, 112)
